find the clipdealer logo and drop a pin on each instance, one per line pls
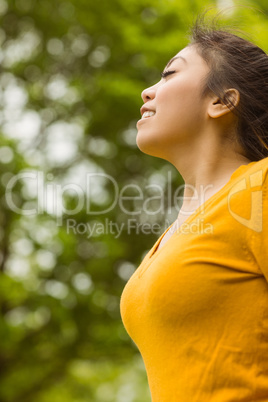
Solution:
(255, 219)
(131, 199)
(47, 196)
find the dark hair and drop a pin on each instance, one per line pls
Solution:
(237, 63)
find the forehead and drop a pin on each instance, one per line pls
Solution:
(189, 57)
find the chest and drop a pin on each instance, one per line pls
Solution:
(201, 268)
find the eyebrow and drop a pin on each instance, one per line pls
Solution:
(175, 58)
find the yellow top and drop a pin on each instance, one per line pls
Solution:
(197, 308)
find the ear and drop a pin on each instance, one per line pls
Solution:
(219, 107)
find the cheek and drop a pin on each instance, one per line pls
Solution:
(179, 116)
(182, 108)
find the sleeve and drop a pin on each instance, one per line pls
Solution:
(258, 222)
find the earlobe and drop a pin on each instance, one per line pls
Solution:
(219, 107)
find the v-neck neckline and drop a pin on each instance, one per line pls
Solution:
(239, 171)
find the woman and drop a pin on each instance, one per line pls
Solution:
(197, 307)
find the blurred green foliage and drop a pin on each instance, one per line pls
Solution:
(72, 73)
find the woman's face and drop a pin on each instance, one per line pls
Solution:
(174, 110)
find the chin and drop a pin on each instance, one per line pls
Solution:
(144, 145)
(150, 148)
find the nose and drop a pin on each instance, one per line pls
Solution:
(148, 94)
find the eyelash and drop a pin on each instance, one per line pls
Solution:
(164, 74)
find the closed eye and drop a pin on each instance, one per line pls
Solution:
(164, 74)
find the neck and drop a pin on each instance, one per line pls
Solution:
(206, 169)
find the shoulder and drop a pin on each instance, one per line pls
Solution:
(252, 175)
(247, 196)
(257, 222)
(257, 172)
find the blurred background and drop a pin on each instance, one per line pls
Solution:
(80, 204)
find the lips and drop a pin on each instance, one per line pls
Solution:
(148, 113)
